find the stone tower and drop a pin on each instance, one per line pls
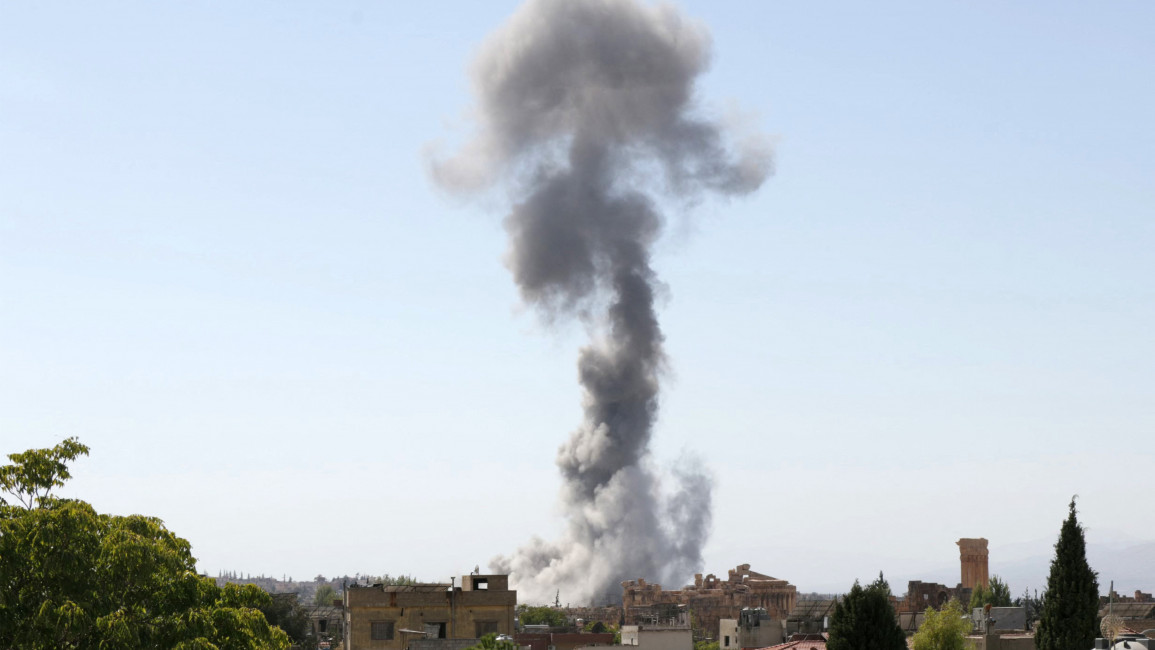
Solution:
(973, 557)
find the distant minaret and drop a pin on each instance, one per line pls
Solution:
(973, 558)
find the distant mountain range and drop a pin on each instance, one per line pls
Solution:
(1130, 566)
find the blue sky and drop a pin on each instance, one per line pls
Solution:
(223, 267)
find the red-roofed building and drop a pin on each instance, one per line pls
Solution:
(801, 642)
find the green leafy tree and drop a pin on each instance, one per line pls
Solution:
(1032, 603)
(706, 645)
(325, 595)
(595, 627)
(1071, 602)
(945, 629)
(398, 580)
(979, 596)
(865, 620)
(541, 615)
(598, 627)
(71, 577)
(285, 611)
(492, 642)
(999, 594)
(32, 474)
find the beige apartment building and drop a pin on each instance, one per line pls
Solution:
(392, 617)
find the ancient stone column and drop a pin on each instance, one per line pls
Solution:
(973, 557)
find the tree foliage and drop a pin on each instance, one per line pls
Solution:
(979, 596)
(285, 611)
(865, 620)
(1071, 602)
(493, 642)
(598, 627)
(397, 580)
(325, 595)
(71, 577)
(999, 594)
(32, 474)
(945, 629)
(541, 615)
(1032, 603)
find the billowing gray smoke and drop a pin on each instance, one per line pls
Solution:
(583, 106)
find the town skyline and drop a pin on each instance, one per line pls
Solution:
(1124, 565)
(224, 268)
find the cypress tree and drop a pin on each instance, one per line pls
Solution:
(865, 620)
(1071, 602)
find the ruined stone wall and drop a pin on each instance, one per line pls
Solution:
(711, 599)
(1114, 596)
(921, 595)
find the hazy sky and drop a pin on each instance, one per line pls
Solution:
(224, 268)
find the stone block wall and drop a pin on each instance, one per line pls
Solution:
(973, 556)
(711, 599)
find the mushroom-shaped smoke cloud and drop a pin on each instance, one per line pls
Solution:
(584, 106)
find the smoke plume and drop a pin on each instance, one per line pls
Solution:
(585, 111)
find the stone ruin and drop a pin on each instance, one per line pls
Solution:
(710, 599)
(973, 557)
(973, 570)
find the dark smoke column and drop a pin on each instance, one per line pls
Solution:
(582, 107)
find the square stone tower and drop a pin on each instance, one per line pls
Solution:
(973, 557)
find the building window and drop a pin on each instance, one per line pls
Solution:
(480, 583)
(381, 630)
(485, 627)
(322, 626)
(727, 641)
(434, 630)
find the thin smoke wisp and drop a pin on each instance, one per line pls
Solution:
(585, 111)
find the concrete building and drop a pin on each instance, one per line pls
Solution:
(325, 620)
(393, 616)
(728, 634)
(1000, 619)
(658, 637)
(562, 640)
(810, 617)
(911, 621)
(667, 628)
(754, 628)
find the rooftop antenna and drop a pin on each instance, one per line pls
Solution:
(1112, 624)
